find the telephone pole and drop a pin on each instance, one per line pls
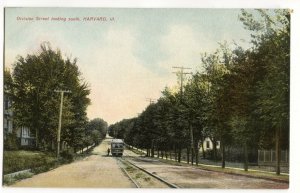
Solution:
(151, 100)
(60, 115)
(181, 74)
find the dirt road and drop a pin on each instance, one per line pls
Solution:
(190, 177)
(102, 171)
(97, 170)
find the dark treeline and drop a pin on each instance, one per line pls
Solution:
(241, 98)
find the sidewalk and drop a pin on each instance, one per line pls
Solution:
(85, 149)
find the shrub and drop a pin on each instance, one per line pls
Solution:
(10, 143)
(68, 156)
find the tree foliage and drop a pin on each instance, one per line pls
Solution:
(240, 99)
(35, 102)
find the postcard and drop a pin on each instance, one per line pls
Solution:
(146, 98)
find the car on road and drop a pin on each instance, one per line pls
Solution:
(117, 147)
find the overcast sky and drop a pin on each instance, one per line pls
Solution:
(129, 57)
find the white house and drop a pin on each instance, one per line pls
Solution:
(208, 144)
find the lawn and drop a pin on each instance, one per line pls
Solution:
(14, 161)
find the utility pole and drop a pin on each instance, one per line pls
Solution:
(151, 100)
(60, 115)
(181, 74)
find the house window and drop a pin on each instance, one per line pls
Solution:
(9, 126)
(207, 145)
(24, 132)
(5, 124)
(6, 105)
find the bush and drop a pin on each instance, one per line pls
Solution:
(68, 156)
(10, 143)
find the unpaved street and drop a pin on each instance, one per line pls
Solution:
(97, 170)
(102, 171)
(191, 177)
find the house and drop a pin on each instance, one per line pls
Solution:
(7, 117)
(24, 135)
(208, 144)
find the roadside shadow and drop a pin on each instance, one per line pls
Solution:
(106, 155)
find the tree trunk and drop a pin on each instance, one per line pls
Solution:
(278, 150)
(223, 154)
(152, 149)
(193, 155)
(203, 151)
(175, 153)
(152, 152)
(36, 139)
(192, 142)
(214, 142)
(245, 157)
(179, 155)
(157, 153)
(197, 154)
(188, 155)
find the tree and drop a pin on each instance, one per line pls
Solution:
(217, 66)
(240, 99)
(98, 125)
(271, 38)
(35, 103)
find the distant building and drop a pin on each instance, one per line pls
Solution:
(208, 144)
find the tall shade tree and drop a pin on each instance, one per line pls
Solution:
(35, 103)
(217, 69)
(271, 38)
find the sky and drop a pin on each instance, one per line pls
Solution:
(129, 57)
